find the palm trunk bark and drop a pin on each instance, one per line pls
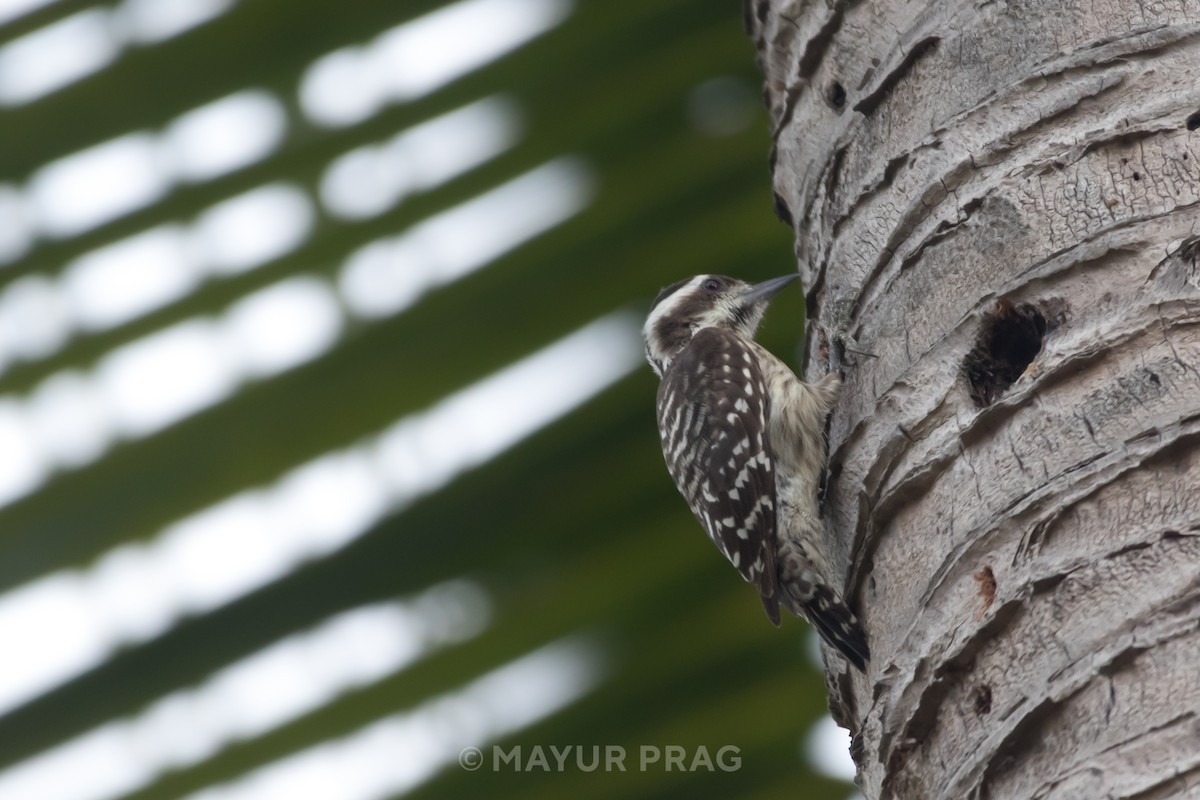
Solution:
(1001, 202)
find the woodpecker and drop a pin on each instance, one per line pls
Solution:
(743, 439)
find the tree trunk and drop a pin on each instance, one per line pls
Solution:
(1001, 201)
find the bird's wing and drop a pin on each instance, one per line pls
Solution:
(713, 412)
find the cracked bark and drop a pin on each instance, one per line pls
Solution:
(1004, 199)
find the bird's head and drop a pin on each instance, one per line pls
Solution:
(704, 301)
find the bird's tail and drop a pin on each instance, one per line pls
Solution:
(832, 618)
(837, 625)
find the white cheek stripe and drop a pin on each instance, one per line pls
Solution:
(668, 305)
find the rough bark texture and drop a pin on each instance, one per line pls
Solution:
(1003, 200)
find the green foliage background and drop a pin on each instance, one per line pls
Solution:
(577, 528)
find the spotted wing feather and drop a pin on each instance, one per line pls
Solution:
(713, 408)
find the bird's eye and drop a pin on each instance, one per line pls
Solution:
(713, 285)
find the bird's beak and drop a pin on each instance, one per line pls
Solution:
(763, 292)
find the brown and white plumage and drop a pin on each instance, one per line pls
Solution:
(713, 434)
(741, 436)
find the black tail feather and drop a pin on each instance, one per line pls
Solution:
(771, 606)
(838, 626)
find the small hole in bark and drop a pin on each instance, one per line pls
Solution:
(829, 476)
(982, 698)
(1193, 121)
(782, 211)
(1137, 176)
(987, 586)
(1009, 341)
(835, 95)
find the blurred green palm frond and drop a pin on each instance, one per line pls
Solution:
(326, 446)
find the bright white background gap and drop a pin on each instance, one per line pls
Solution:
(253, 696)
(160, 379)
(137, 591)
